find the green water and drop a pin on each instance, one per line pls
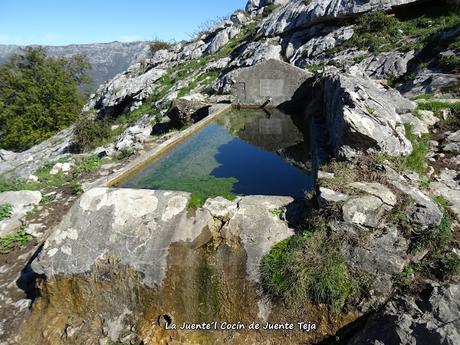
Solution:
(241, 153)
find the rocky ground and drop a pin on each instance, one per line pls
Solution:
(384, 109)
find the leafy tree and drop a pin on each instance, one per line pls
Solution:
(38, 96)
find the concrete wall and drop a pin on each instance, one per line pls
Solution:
(273, 79)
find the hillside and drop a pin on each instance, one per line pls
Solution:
(107, 59)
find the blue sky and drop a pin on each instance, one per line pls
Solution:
(60, 22)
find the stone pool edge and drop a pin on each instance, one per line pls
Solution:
(137, 164)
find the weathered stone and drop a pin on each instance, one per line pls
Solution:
(221, 39)
(361, 114)
(298, 14)
(254, 5)
(415, 320)
(364, 210)
(271, 80)
(330, 196)
(185, 111)
(387, 65)
(61, 168)
(449, 188)
(417, 126)
(381, 253)
(425, 213)
(376, 189)
(429, 81)
(136, 134)
(21, 202)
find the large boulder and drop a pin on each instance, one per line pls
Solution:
(298, 14)
(361, 114)
(187, 110)
(146, 255)
(255, 5)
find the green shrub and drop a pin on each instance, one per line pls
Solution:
(87, 164)
(5, 211)
(157, 45)
(308, 266)
(75, 187)
(38, 96)
(7, 185)
(90, 133)
(13, 241)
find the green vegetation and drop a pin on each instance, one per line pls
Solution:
(309, 266)
(39, 96)
(90, 133)
(13, 241)
(269, 9)
(5, 211)
(405, 278)
(157, 45)
(7, 185)
(276, 212)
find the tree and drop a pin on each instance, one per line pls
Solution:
(38, 96)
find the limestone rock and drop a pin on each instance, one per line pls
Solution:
(185, 111)
(254, 5)
(364, 210)
(330, 196)
(124, 90)
(61, 167)
(221, 39)
(22, 202)
(376, 189)
(381, 253)
(363, 115)
(136, 134)
(387, 65)
(421, 320)
(425, 214)
(298, 14)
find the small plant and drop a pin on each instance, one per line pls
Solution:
(88, 164)
(405, 278)
(75, 187)
(6, 210)
(276, 212)
(13, 241)
(124, 153)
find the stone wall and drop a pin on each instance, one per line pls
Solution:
(271, 79)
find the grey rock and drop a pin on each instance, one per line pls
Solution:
(425, 214)
(239, 18)
(221, 39)
(327, 196)
(376, 189)
(138, 227)
(185, 111)
(254, 52)
(449, 188)
(21, 202)
(364, 210)
(381, 253)
(254, 5)
(418, 127)
(136, 134)
(126, 89)
(387, 65)
(429, 81)
(415, 320)
(299, 14)
(361, 114)
(307, 44)
(23, 164)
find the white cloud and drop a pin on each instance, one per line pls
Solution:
(130, 38)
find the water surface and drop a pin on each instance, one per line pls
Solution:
(248, 152)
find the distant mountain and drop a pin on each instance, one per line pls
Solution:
(107, 59)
